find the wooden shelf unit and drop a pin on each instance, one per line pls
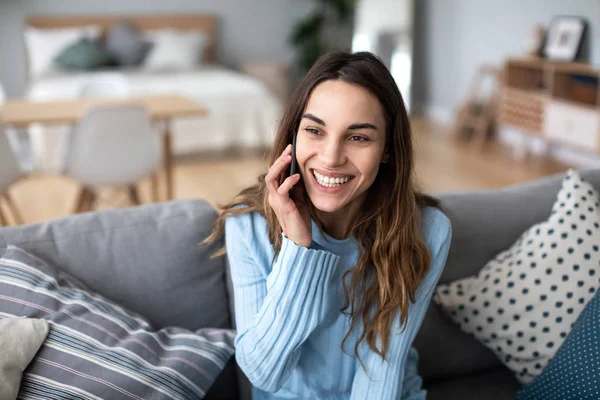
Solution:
(559, 102)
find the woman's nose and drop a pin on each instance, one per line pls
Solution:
(332, 154)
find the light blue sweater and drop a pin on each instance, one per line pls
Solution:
(290, 327)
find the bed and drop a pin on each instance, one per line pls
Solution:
(242, 111)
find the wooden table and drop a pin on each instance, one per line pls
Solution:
(22, 113)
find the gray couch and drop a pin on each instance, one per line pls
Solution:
(148, 259)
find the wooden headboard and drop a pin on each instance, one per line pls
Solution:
(206, 23)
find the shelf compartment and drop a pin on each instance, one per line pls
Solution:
(522, 109)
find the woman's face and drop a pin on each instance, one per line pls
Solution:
(340, 144)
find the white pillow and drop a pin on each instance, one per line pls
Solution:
(523, 303)
(20, 339)
(43, 45)
(174, 50)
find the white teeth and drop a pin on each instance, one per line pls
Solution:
(328, 181)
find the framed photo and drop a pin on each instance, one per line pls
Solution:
(564, 37)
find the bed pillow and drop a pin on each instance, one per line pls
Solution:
(43, 45)
(174, 50)
(523, 303)
(127, 44)
(86, 54)
(20, 339)
(97, 349)
(574, 372)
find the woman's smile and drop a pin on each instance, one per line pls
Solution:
(330, 183)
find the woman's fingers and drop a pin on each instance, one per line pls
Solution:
(287, 184)
(275, 172)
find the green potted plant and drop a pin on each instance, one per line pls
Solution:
(307, 35)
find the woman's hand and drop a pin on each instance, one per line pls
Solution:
(293, 213)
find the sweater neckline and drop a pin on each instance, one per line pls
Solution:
(325, 239)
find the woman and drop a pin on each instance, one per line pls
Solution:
(332, 283)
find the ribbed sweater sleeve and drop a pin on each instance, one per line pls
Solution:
(276, 310)
(397, 378)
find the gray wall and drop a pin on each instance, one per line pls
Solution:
(249, 29)
(453, 37)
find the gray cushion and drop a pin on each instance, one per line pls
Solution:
(484, 223)
(147, 259)
(445, 350)
(20, 339)
(494, 384)
(126, 44)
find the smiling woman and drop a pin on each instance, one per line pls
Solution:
(351, 257)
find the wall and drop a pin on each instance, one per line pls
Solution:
(249, 29)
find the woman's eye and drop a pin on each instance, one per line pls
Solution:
(359, 139)
(313, 131)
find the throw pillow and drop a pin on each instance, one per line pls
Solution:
(20, 339)
(523, 303)
(97, 349)
(174, 50)
(127, 44)
(43, 45)
(574, 372)
(85, 54)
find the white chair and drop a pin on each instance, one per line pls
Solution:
(98, 85)
(113, 146)
(10, 173)
(19, 141)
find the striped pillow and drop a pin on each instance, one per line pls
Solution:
(98, 350)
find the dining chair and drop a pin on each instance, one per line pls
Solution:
(109, 84)
(10, 173)
(113, 146)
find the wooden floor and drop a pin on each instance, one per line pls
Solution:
(442, 164)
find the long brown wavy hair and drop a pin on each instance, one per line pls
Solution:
(393, 257)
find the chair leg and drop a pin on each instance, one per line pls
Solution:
(91, 200)
(154, 182)
(79, 202)
(134, 195)
(13, 208)
(3, 221)
(85, 200)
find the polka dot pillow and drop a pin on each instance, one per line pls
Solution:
(574, 372)
(523, 303)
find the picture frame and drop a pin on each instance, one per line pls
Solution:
(564, 38)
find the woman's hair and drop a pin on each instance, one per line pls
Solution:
(393, 257)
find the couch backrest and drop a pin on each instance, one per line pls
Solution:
(484, 223)
(148, 259)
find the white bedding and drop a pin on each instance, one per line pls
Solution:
(242, 112)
